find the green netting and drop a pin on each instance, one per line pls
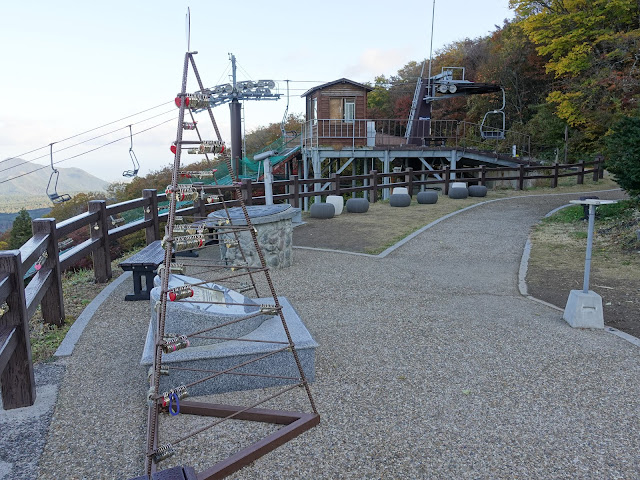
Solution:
(283, 147)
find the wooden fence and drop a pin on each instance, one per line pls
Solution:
(45, 287)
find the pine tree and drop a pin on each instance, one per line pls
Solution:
(21, 230)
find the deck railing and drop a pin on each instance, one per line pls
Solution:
(45, 287)
(390, 133)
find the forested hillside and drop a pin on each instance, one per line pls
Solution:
(563, 63)
(567, 66)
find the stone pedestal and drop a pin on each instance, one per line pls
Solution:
(584, 310)
(274, 230)
(224, 355)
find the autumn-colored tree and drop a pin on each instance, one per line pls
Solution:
(590, 47)
(262, 137)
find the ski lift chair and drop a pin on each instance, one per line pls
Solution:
(493, 133)
(134, 159)
(54, 196)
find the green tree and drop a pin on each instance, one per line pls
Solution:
(623, 154)
(21, 230)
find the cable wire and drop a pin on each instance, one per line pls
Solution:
(88, 131)
(80, 143)
(88, 151)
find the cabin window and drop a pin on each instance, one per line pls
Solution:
(349, 110)
(314, 110)
(335, 110)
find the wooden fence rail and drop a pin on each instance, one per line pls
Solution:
(19, 302)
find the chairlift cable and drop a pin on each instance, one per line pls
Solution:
(87, 131)
(84, 153)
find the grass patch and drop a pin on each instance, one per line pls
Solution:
(78, 290)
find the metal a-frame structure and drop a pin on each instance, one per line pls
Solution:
(169, 405)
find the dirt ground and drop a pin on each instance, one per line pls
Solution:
(615, 269)
(375, 230)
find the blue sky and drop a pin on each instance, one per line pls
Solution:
(70, 66)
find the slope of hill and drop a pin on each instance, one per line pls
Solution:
(30, 191)
(6, 219)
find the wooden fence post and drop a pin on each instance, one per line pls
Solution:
(601, 168)
(295, 196)
(16, 377)
(554, 180)
(408, 178)
(483, 175)
(335, 179)
(597, 166)
(247, 191)
(521, 175)
(152, 232)
(100, 229)
(374, 186)
(447, 174)
(580, 177)
(52, 302)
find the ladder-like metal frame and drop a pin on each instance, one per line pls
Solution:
(294, 423)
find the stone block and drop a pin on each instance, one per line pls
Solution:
(357, 205)
(322, 210)
(224, 355)
(338, 203)
(584, 310)
(427, 197)
(400, 200)
(477, 191)
(184, 317)
(273, 228)
(458, 193)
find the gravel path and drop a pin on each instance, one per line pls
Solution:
(430, 365)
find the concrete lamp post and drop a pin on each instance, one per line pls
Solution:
(584, 307)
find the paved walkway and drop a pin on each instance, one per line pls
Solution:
(431, 365)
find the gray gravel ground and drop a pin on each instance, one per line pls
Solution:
(430, 365)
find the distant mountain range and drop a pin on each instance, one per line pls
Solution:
(71, 180)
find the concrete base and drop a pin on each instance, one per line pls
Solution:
(584, 310)
(224, 355)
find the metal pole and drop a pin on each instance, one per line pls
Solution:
(587, 263)
(433, 12)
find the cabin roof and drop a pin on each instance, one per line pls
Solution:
(336, 82)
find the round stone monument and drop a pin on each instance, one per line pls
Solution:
(274, 230)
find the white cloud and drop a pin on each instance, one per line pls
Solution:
(375, 61)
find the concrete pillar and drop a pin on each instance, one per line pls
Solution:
(386, 161)
(453, 162)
